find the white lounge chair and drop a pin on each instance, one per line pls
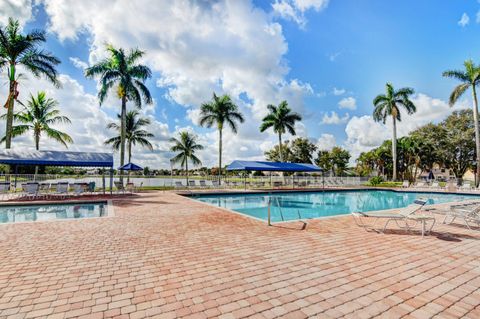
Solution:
(404, 215)
(466, 186)
(203, 184)
(191, 184)
(5, 190)
(78, 188)
(216, 184)
(31, 190)
(405, 184)
(468, 212)
(61, 189)
(178, 184)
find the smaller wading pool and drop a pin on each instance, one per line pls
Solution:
(52, 211)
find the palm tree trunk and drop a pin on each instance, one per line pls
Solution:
(220, 153)
(10, 105)
(186, 169)
(394, 149)
(280, 146)
(477, 134)
(129, 158)
(37, 147)
(123, 120)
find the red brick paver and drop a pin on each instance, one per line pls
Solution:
(165, 256)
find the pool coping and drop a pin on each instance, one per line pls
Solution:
(109, 210)
(191, 197)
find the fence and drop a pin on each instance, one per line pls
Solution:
(210, 181)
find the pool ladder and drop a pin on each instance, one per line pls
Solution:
(281, 212)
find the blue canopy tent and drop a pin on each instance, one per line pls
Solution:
(16, 157)
(272, 167)
(130, 167)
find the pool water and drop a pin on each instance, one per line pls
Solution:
(305, 205)
(43, 212)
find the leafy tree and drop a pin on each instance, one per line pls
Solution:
(388, 105)
(470, 78)
(460, 142)
(273, 155)
(220, 111)
(134, 133)
(122, 73)
(17, 49)
(340, 158)
(281, 119)
(324, 161)
(302, 150)
(37, 117)
(335, 160)
(185, 146)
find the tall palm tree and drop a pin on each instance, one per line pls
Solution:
(23, 49)
(38, 116)
(389, 104)
(134, 133)
(185, 146)
(122, 72)
(220, 111)
(470, 78)
(281, 119)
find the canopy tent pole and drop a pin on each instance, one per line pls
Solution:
(16, 172)
(103, 181)
(245, 180)
(111, 181)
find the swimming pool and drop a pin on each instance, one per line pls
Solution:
(305, 205)
(43, 212)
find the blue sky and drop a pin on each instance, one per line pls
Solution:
(328, 59)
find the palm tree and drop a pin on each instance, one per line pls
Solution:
(134, 133)
(281, 119)
(389, 105)
(23, 49)
(185, 146)
(38, 116)
(470, 78)
(220, 110)
(121, 72)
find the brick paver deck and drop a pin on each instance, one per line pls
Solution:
(165, 256)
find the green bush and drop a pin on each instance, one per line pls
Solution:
(376, 180)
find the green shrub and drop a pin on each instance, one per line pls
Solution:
(376, 180)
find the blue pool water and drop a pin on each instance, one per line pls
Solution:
(29, 213)
(305, 205)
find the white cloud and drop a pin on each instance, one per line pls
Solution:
(334, 118)
(17, 9)
(197, 47)
(326, 142)
(477, 18)
(79, 64)
(333, 56)
(464, 20)
(295, 9)
(338, 92)
(348, 103)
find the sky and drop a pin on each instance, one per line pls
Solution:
(328, 59)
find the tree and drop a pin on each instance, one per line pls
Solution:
(17, 49)
(281, 119)
(134, 134)
(387, 105)
(186, 145)
(460, 142)
(324, 161)
(340, 158)
(38, 116)
(220, 111)
(470, 78)
(273, 155)
(122, 73)
(335, 160)
(302, 150)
